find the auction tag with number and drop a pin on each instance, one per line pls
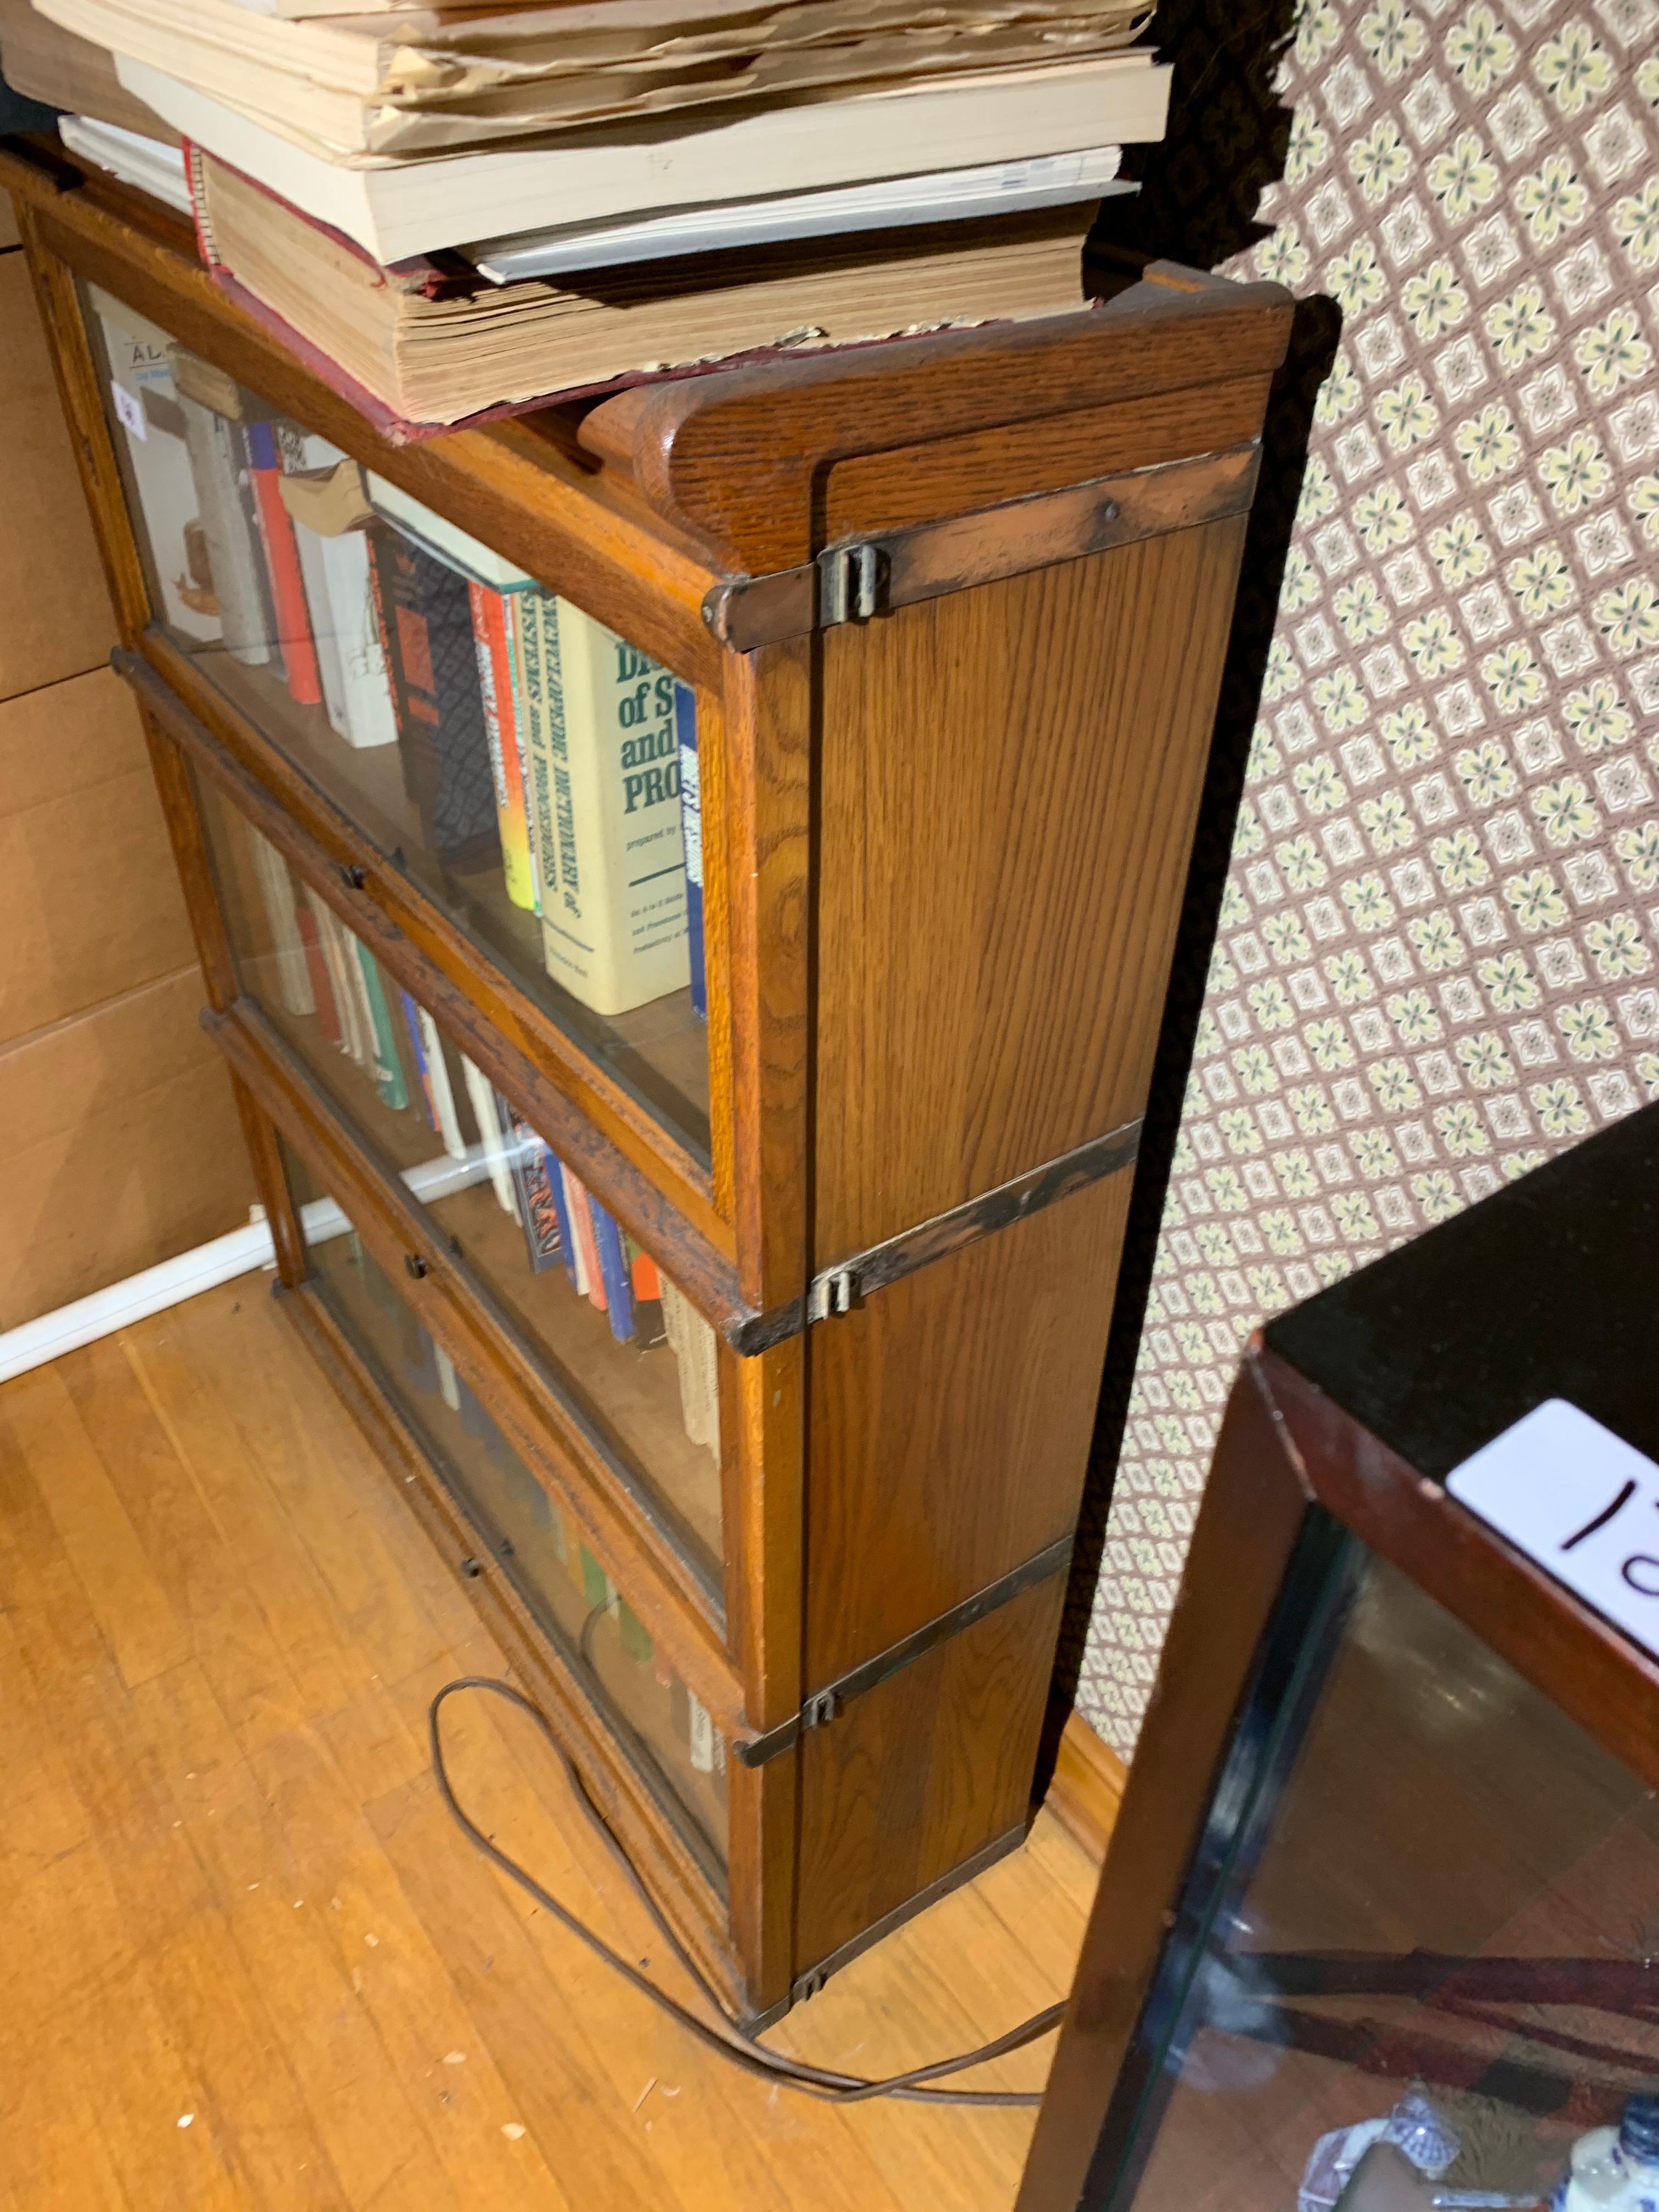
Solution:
(1579, 1501)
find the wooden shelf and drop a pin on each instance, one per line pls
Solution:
(955, 612)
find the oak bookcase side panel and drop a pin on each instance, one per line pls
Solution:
(696, 1910)
(915, 1779)
(1009, 779)
(950, 1419)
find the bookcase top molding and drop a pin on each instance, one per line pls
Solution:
(640, 504)
(734, 459)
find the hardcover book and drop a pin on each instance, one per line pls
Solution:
(426, 627)
(605, 790)
(685, 730)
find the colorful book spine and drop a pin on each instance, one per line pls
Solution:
(300, 668)
(602, 749)
(487, 1113)
(426, 629)
(645, 1287)
(534, 620)
(613, 1273)
(561, 1206)
(538, 1210)
(685, 730)
(589, 1279)
(385, 1066)
(492, 637)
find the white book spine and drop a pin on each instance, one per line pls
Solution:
(288, 946)
(482, 1092)
(443, 1092)
(366, 705)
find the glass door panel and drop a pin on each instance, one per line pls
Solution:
(599, 1636)
(520, 763)
(621, 1340)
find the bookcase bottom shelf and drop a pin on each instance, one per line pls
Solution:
(679, 1885)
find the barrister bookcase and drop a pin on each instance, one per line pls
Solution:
(785, 1567)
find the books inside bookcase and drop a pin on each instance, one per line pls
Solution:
(626, 1347)
(605, 1646)
(518, 761)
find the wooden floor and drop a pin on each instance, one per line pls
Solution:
(247, 1959)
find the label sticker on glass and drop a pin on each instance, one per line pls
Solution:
(131, 409)
(1579, 1501)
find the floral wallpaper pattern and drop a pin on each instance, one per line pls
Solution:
(1435, 963)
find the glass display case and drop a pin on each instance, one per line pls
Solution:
(1398, 1785)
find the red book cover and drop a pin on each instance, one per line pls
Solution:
(287, 590)
(317, 967)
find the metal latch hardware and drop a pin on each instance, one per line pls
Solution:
(852, 583)
(819, 1709)
(835, 1292)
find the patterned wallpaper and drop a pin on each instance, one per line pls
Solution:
(1435, 962)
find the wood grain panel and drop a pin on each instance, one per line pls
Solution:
(1008, 787)
(919, 1773)
(949, 1419)
(949, 475)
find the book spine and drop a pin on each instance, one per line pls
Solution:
(254, 525)
(449, 1382)
(678, 1319)
(590, 1276)
(536, 638)
(322, 987)
(537, 1208)
(321, 621)
(613, 1273)
(443, 1091)
(519, 763)
(383, 1063)
(343, 972)
(231, 554)
(685, 731)
(422, 1067)
(561, 1206)
(616, 936)
(487, 1113)
(366, 703)
(645, 1287)
(442, 721)
(293, 988)
(699, 1733)
(492, 643)
(299, 652)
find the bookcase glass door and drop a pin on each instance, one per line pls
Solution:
(1429, 1966)
(601, 1640)
(621, 1341)
(518, 761)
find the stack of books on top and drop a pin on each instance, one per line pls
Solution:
(460, 211)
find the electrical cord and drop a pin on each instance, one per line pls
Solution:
(728, 2039)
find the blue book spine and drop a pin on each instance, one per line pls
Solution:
(417, 1048)
(567, 1242)
(685, 731)
(613, 1267)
